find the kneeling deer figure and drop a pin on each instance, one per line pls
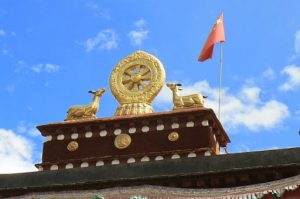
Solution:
(86, 111)
(194, 100)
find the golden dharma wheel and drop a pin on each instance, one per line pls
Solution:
(135, 82)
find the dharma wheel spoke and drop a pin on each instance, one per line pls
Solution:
(138, 69)
(125, 81)
(142, 83)
(146, 77)
(129, 85)
(136, 87)
(136, 77)
(129, 72)
(145, 71)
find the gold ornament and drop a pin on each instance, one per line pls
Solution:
(122, 141)
(135, 82)
(86, 111)
(188, 101)
(174, 136)
(72, 146)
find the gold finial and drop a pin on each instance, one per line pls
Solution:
(135, 82)
(194, 100)
(86, 111)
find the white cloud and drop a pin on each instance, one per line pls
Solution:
(28, 128)
(244, 109)
(141, 23)
(98, 11)
(20, 66)
(21, 128)
(297, 114)
(105, 40)
(15, 153)
(138, 35)
(293, 81)
(296, 46)
(264, 116)
(49, 68)
(2, 33)
(33, 132)
(297, 42)
(6, 52)
(269, 74)
(250, 94)
(10, 88)
(37, 68)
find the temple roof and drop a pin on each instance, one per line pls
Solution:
(202, 172)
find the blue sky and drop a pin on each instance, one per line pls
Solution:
(53, 52)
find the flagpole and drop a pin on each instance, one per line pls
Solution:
(220, 81)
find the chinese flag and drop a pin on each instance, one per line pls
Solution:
(217, 34)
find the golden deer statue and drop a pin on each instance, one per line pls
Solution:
(86, 111)
(194, 100)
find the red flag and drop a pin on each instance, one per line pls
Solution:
(217, 34)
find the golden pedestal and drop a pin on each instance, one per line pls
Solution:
(133, 109)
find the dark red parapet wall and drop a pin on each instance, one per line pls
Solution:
(199, 130)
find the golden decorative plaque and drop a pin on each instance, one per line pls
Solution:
(135, 82)
(174, 136)
(72, 146)
(122, 141)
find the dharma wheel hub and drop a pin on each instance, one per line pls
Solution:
(135, 82)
